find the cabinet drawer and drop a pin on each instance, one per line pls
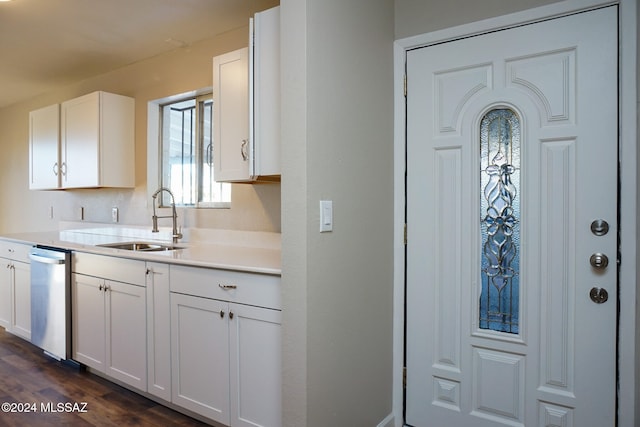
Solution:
(113, 268)
(15, 251)
(245, 288)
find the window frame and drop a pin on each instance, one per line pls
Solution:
(155, 149)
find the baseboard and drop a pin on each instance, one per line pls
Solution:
(389, 421)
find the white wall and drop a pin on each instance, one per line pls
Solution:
(413, 17)
(293, 39)
(338, 145)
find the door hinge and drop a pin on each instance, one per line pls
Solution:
(404, 377)
(405, 85)
(405, 233)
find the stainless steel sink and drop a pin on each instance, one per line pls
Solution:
(141, 246)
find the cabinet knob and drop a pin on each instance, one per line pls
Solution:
(231, 315)
(221, 314)
(227, 287)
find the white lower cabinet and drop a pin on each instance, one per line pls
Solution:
(255, 366)
(158, 331)
(109, 319)
(207, 340)
(15, 289)
(226, 355)
(5, 295)
(21, 319)
(89, 321)
(109, 328)
(200, 356)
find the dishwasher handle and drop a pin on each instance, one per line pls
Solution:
(46, 259)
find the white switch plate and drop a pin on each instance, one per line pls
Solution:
(326, 216)
(114, 214)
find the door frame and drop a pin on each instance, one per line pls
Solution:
(628, 330)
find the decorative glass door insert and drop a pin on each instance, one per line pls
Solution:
(500, 230)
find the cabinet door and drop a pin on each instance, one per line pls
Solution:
(88, 320)
(231, 149)
(126, 329)
(200, 356)
(21, 319)
(159, 331)
(255, 366)
(44, 148)
(265, 76)
(6, 297)
(80, 141)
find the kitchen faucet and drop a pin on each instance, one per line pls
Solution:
(176, 235)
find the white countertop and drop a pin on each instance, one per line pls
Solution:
(223, 249)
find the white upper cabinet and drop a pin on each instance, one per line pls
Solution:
(44, 148)
(246, 93)
(82, 143)
(230, 116)
(265, 93)
(97, 141)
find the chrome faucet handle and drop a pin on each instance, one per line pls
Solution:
(177, 234)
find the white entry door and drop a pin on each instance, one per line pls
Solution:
(511, 217)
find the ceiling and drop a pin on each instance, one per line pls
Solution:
(47, 44)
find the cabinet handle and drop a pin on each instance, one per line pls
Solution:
(227, 287)
(221, 314)
(151, 271)
(231, 315)
(100, 288)
(63, 169)
(209, 156)
(243, 149)
(55, 168)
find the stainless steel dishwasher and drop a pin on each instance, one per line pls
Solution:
(50, 300)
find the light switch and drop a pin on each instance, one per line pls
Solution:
(326, 215)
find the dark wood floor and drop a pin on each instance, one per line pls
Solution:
(27, 376)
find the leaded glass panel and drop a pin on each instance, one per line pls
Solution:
(500, 220)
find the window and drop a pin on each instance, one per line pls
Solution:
(500, 182)
(186, 154)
